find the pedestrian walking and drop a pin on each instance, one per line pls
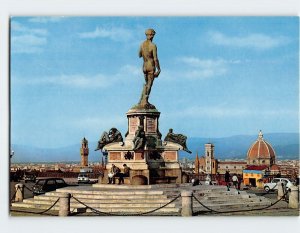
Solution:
(227, 180)
(235, 180)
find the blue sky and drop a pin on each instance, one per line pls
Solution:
(78, 76)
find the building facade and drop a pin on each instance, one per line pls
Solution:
(207, 164)
(231, 166)
(260, 154)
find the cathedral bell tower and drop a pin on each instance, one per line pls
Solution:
(84, 152)
(209, 157)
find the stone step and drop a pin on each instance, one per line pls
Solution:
(93, 204)
(170, 210)
(166, 210)
(108, 192)
(229, 206)
(103, 199)
(227, 195)
(235, 202)
(110, 196)
(237, 198)
(124, 187)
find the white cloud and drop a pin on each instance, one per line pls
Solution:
(92, 123)
(77, 81)
(134, 70)
(27, 40)
(214, 111)
(27, 44)
(232, 112)
(205, 68)
(82, 81)
(17, 27)
(46, 19)
(254, 40)
(115, 34)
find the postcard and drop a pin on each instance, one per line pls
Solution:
(154, 116)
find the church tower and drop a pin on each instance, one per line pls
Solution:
(197, 164)
(209, 157)
(84, 152)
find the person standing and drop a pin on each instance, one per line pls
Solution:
(235, 181)
(227, 179)
(240, 179)
(218, 178)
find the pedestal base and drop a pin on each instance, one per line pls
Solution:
(153, 163)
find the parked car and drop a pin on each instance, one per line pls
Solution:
(83, 178)
(273, 184)
(48, 184)
(29, 178)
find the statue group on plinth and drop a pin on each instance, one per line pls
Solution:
(143, 150)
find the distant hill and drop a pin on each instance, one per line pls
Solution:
(63, 154)
(286, 146)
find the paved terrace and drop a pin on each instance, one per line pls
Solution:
(213, 197)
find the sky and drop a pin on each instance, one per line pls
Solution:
(75, 77)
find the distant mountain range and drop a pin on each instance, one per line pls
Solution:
(286, 146)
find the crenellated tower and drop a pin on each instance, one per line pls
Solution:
(84, 152)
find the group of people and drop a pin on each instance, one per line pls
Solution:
(236, 180)
(116, 172)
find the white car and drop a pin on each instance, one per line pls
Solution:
(83, 178)
(273, 184)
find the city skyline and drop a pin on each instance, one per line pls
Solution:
(75, 77)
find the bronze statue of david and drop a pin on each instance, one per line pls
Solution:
(151, 68)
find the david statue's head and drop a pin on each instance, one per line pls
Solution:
(150, 33)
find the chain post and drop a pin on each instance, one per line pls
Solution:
(294, 198)
(187, 203)
(64, 204)
(19, 192)
(281, 190)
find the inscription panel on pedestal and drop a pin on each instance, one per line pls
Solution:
(115, 156)
(139, 156)
(133, 124)
(150, 125)
(171, 155)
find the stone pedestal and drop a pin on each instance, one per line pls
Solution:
(157, 161)
(148, 118)
(294, 198)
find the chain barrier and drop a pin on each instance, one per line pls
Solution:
(112, 214)
(42, 212)
(233, 211)
(30, 190)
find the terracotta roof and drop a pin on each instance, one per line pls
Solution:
(232, 162)
(256, 167)
(274, 167)
(260, 149)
